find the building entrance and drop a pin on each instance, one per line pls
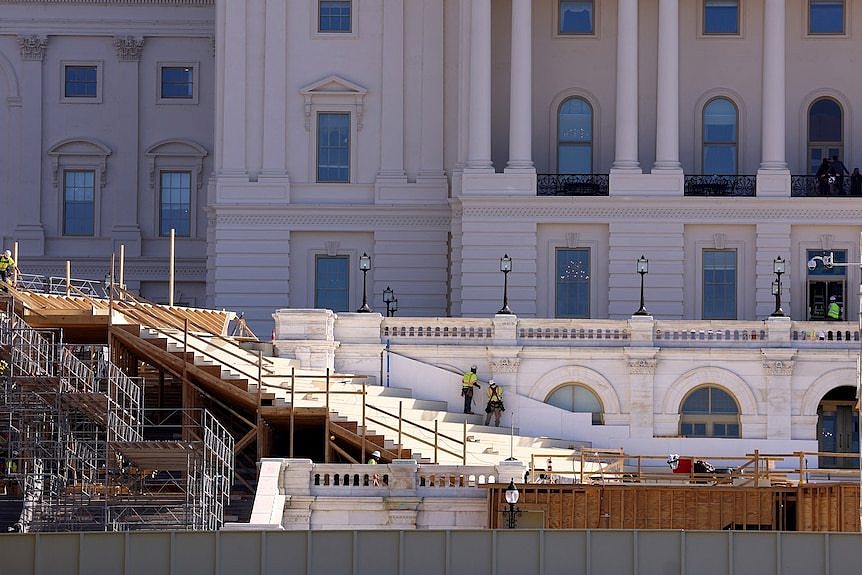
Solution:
(838, 428)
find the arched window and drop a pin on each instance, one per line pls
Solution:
(575, 137)
(825, 132)
(720, 137)
(577, 398)
(709, 411)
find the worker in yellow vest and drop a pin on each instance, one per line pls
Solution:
(7, 269)
(468, 382)
(495, 403)
(833, 312)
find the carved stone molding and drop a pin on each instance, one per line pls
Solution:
(32, 47)
(504, 365)
(128, 48)
(778, 367)
(641, 366)
(335, 220)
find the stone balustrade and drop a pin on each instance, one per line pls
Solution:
(455, 329)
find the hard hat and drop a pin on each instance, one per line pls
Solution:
(832, 298)
(473, 368)
(491, 382)
(375, 453)
(7, 253)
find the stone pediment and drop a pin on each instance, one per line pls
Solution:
(332, 85)
(334, 92)
(93, 154)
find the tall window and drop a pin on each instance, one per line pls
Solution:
(331, 282)
(178, 82)
(79, 196)
(575, 137)
(80, 82)
(721, 17)
(577, 17)
(709, 411)
(577, 398)
(825, 16)
(719, 284)
(333, 147)
(175, 203)
(573, 283)
(334, 16)
(825, 132)
(719, 137)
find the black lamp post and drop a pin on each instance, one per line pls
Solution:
(391, 301)
(505, 267)
(512, 513)
(778, 270)
(364, 266)
(643, 269)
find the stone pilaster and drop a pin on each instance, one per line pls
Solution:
(778, 367)
(641, 364)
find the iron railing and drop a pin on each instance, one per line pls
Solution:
(811, 186)
(716, 185)
(572, 184)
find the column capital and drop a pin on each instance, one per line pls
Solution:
(128, 48)
(32, 47)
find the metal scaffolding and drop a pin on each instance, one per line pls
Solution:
(81, 452)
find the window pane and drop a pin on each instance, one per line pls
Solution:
(719, 137)
(721, 17)
(824, 121)
(334, 16)
(175, 203)
(573, 283)
(719, 284)
(578, 399)
(576, 17)
(719, 159)
(333, 147)
(78, 203)
(331, 284)
(177, 82)
(575, 135)
(80, 82)
(825, 16)
(721, 401)
(697, 401)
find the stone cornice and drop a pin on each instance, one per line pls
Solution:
(107, 27)
(337, 221)
(117, 2)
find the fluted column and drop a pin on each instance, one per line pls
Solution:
(667, 96)
(479, 146)
(521, 86)
(773, 103)
(626, 145)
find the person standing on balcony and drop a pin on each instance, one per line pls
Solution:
(468, 382)
(821, 178)
(495, 404)
(856, 183)
(838, 169)
(833, 312)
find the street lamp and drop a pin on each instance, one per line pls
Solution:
(505, 267)
(778, 270)
(364, 266)
(391, 301)
(512, 513)
(643, 269)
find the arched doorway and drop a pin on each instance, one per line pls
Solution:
(838, 427)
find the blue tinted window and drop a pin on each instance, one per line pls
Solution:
(80, 82)
(825, 16)
(576, 17)
(578, 399)
(178, 82)
(575, 137)
(333, 147)
(573, 283)
(824, 121)
(721, 17)
(709, 411)
(175, 203)
(719, 284)
(331, 282)
(334, 16)
(79, 194)
(719, 137)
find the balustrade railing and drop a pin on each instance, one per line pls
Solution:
(707, 332)
(572, 184)
(811, 186)
(720, 185)
(574, 331)
(452, 328)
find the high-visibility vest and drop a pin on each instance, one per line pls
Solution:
(469, 379)
(834, 310)
(495, 393)
(6, 263)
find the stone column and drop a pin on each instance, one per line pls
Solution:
(231, 117)
(274, 90)
(626, 145)
(667, 96)
(521, 87)
(392, 92)
(255, 56)
(479, 139)
(773, 98)
(641, 363)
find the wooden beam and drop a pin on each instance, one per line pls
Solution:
(245, 440)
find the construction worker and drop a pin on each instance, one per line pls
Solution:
(495, 403)
(469, 381)
(375, 458)
(7, 269)
(833, 312)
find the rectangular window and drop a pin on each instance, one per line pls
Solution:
(825, 16)
(719, 284)
(331, 282)
(721, 17)
(334, 16)
(178, 82)
(577, 17)
(333, 147)
(80, 82)
(79, 196)
(175, 203)
(573, 283)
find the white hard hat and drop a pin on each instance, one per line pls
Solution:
(832, 298)
(491, 382)
(7, 253)
(375, 453)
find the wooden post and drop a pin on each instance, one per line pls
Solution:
(17, 269)
(582, 466)
(435, 441)
(122, 266)
(801, 468)
(464, 439)
(262, 450)
(171, 271)
(68, 278)
(326, 422)
(292, 407)
(363, 423)
(400, 409)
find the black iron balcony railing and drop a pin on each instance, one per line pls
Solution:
(714, 185)
(572, 184)
(803, 186)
